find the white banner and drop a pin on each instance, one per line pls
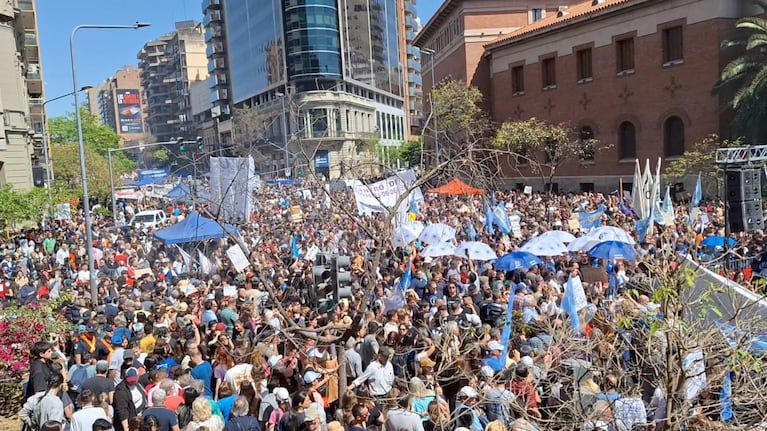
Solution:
(232, 181)
(63, 212)
(383, 195)
(238, 258)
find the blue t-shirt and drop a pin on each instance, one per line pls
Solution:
(204, 371)
(165, 417)
(225, 404)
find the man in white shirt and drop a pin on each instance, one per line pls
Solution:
(83, 419)
(379, 375)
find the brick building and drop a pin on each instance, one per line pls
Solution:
(635, 74)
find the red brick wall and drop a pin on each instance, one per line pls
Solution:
(647, 97)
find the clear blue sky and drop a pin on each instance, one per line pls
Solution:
(99, 53)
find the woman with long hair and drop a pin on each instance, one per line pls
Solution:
(222, 362)
(422, 397)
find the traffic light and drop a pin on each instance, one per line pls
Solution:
(342, 277)
(200, 144)
(321, 273)
(181, 144)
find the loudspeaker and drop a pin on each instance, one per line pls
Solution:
(745, 216)
(743, 185)
(38, 176)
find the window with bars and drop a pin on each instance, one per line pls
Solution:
(517, 79)
(627, 144)
(549, 72)
(624, 55)
(583, 64)
(673, 44)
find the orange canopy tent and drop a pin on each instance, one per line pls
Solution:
(456, 187)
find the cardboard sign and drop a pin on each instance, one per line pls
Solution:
(516, 229)
(141, 272)
(574, 224)
(593, 275)
(238, 258)
(296, 214)
(63, 212)
(528, 190)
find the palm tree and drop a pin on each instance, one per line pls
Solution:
(744, 79)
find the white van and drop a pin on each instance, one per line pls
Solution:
(149, 218)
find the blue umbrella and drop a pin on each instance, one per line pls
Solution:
(612, 250)
(516, 260)
(714, 241)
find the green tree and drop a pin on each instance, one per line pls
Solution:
(544, 147)
(743, 81)
(97, 139)
(701, 159)
(18, 206)
(457, 119)
(410, 152)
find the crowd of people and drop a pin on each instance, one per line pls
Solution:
(178, 344)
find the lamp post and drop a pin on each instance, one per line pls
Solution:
(81, 148)
(285, 132)
(433, 84)
(46, 150)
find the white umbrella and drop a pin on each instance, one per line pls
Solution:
(437, 232)
(475, 250)
(438, 249)
(544, 247)
(406, 233)
(557, 235)
(602, 234)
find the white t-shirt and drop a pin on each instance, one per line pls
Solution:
(239, 374)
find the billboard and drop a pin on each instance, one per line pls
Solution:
(129, 112)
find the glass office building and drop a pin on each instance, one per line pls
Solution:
(255, 45)
(319, 43)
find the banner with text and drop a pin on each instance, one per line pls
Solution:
(382, 195)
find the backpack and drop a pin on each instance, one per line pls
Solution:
(27, 412)
(77, 377)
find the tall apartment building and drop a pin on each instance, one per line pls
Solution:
(119, 104)
(413, 95)
(168, 66)
(21, 97)
(332, 72)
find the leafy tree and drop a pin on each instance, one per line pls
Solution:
(66, 159)
(543, 147)
(410, 152)
(701, 159)
(18, 206)
(63, 130)
(743, 81)
(457, 118)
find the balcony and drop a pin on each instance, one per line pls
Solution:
(211, 4)
(410, 7)
(216, 64)
(413, 65)
(211, 16)
(215, 50)
(410, 22)
(219, 94)
(213, 32)
(215, 80)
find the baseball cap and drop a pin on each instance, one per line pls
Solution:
(102, 366)
(128, 354)
(467, 392)
(117, 339)
(131, 375)
(486, 371)
(311, 414)
(494, 345)
(282, 394)
(220, 326)
(310, 376)
(427, 362)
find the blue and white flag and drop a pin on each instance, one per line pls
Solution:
(489, 218)
(396, 300)
(501, 218)
(697, 195)
(569, 303)
(641, 227)
(725, 398)
(294, 247)
(499, 363)
(591, 220)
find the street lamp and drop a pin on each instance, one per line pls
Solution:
(81, 148)
(46, 150)
(431, 99)
(285, 132)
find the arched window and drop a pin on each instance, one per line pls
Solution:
(673, 137)
(627, 141)
(587, 143)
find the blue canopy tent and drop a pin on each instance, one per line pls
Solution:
(145, 181)
(194, 228)
(181, 191)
